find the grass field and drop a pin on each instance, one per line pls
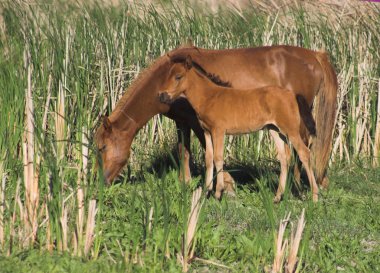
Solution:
(62, 65)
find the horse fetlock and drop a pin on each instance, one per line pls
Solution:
(184, 176)
(324, 183)
(218, 194)
(315, 196)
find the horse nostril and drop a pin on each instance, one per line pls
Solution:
(107, 174)
(161, 97)
(164, 97)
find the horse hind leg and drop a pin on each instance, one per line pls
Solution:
(229, 184)
(304, 155)
(209, 161)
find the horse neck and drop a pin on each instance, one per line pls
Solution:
(200, 90)
(142, 103)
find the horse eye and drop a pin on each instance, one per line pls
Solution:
(102, 149)
(178, 77)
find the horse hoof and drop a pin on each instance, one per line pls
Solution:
(208, 194)
(183, 178)
(218, 195)
(325, 183)
(230, 193)
(315, 197)
(277, 199)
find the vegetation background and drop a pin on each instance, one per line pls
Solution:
(64, 63)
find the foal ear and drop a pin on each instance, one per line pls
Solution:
(107, 124)
(188, 62)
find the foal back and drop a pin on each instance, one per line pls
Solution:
(237, 111)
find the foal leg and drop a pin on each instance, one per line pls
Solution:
(229, 182)
(183, 134)
(304, 155)
(209, 161)
(218, 142)
(283, 155)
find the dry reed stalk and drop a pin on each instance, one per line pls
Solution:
(376, 147)
(167, 249)
(90, 226)
(22, 231)
(49, 244)
(65, 231)
(12, 232)
(2, 205)
(280, 246)
(31, 184)
(150, 219)
(60, 123)
(74, 243)
(188, 247)
(294, 243)
(80, 193)
(344, 78)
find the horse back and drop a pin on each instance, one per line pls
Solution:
(293, 68)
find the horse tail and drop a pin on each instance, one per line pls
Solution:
(325, 111)
(306, 115)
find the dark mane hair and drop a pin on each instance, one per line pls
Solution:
(213, 77)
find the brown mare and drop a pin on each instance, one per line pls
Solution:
(225, 110)
(305, 72)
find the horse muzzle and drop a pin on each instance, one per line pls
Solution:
(165, 98)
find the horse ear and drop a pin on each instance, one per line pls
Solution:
(188, 62)
(107, 124)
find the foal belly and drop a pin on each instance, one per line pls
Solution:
(245, 129)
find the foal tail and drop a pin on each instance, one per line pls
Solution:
(325, 111)
(306, 115)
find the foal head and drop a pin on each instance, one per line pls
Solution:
(177, 81)
(114, 145)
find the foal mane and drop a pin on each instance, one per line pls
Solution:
(211, 76)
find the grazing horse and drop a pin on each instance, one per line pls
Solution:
(224, 110)
(305, 72)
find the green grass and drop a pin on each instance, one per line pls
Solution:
(83, 57)
(342, 230)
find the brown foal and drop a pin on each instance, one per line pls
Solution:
(224, 110)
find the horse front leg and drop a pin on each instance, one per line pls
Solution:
(218, 144)
(183, 134)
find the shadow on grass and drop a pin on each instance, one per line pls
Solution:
(244, 174)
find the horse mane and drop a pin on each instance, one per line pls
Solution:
(176, 56)
(136, 82)
(211, 76)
